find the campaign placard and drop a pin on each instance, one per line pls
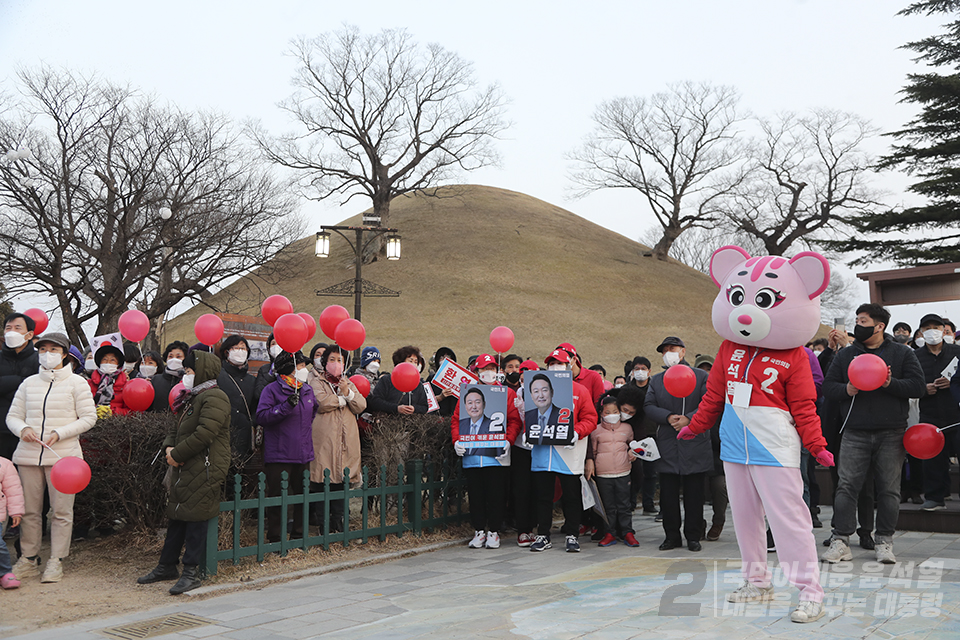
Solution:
(450, 376)
(432, 404)
(548, 407)
(483, 419)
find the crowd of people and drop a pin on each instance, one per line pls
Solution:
(301, 414)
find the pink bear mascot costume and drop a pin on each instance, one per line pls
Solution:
(768, 308)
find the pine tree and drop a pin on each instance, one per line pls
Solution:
(928, 148)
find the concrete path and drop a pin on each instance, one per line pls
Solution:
(610, 593)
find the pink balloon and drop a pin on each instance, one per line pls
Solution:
(70, 475)
(405, 377)
(923, 441)
(679, 380)
(208, 329)
(274, 307)
(138, 394)
(330, 319)
(867, 372)
(501, 339)
(351, 334)
(290, 332)
(40, 318)
(134, 325)
(311, 325)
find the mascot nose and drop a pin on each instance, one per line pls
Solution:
(745, 319)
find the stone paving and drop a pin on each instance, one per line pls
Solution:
(610, 593)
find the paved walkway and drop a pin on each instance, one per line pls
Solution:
(612, 593)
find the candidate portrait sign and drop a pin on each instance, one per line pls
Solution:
(483, 419)
(548, 407)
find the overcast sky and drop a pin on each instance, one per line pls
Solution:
(555, 61)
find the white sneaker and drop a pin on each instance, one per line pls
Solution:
(838, 551)
(885, 553)
(53, 572)
(479, 537)
(493, 540)
(749, 592)
(808, 611)
(26, 568)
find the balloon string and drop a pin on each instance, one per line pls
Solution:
(949, 426)
(51, 449)
(852, 400)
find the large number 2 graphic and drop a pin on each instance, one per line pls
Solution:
(699, 579)
(773, 373)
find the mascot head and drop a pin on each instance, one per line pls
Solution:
(769, 302)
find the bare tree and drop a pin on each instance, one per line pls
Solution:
(677, 148)
(808, 175)
(109, 201)
(695, 247)
(383, 116)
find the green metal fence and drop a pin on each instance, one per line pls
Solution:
(426, 496)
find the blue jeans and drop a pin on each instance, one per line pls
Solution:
(5, 565)
(861, 452)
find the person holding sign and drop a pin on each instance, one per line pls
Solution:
(550, 462)
(486, 468)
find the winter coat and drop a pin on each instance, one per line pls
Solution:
(683, 457)
(336, 435)
(939, 409)
(201, 444)
(239, 387)
(782, 413)
(265, 376)
(287, 431)
(117, 405)
(611, 449)
(642, 425)
(883, 408)
(14, 369)
(385, 398)
(559, 458)
(514, 427)
(52, 400)
(11, 491)
(163, 383)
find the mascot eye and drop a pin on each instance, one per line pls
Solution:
(735, 295)
(768, 298)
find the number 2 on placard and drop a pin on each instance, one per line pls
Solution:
(564, 416)
(773, 373)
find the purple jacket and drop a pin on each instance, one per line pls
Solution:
(287, 431)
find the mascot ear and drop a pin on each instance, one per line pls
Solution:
(814, 271)
(724, 260)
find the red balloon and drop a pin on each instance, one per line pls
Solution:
(39, 317)
(679, 380)
(134, 325)
(274, 307)
(923, 441)
(867, 372)
(177, 388)
(501, 339)
(330, 319)
(70, 475)
(405, 377)
(350, 334)
(208, 329)
(311, 324)
(138, 394)
(290, 332)
(361, 383)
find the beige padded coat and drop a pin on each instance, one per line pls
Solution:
(336, 435)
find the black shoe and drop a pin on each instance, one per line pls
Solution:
(866, 542)
(658, 517)
(771, 546)
(666, 545)
(160, 573)
(816, 521)
(188, 581)
(694, 545)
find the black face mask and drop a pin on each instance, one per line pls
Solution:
(902, 339)
(862, 333)
(513, 377)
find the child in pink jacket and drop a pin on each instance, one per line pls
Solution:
(610, 446)
(11, 501)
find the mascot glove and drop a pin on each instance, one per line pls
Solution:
(825, 458)
(459, 448)
(686, 434)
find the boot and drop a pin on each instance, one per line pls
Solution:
(188, 581)
(160, 572)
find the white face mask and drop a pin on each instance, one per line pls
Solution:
(108, 368)
(302, 375)
(612, 418)
(373, 367)
(148, 370)
(50, 360)
(14, 339)
(275, 350)
(625, 417)
(488, 377)
(671, 358)
(128, 366)
(933, 336)
(919, 342)
(318, 364)
(89, 364)
(641, 374)
(949, 339)
(174, 364)
(618, 385)
(237, 356)
(556, 367)
(187, 380)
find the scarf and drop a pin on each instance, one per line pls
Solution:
(291, 380)
(186, 396)
(104, 395)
